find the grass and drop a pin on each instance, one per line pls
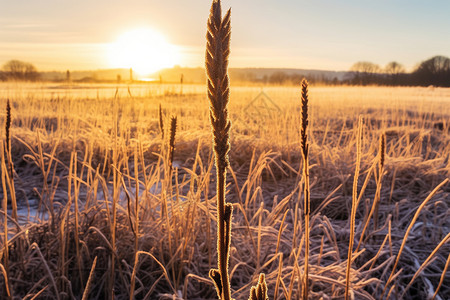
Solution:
(264, 164)
(217, 52)
(122, 211)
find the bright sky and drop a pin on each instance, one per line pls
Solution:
(319, 34)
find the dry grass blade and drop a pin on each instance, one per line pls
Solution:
(89, 281)
(447, 263)
(166, 275)
(426, 262)
(5, 278)
(39, 293)
(354, 206)
(35, 247)
(405, 237)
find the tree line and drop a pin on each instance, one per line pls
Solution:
(434, 71)
(19, 70)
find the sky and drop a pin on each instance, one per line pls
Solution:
(319, 34)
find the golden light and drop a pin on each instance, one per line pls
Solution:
(144, 50)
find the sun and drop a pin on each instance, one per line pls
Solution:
(144, 50)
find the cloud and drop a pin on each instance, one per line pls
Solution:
(26, 25)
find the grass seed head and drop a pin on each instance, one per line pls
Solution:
(303, 133)
(382, 151)
(259, 292)
(217, 53)
(173, 130)
(161, 122)
(8, 125)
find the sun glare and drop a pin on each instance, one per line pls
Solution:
(144, 50)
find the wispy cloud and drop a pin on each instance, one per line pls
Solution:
(26, 25)
(58, 56)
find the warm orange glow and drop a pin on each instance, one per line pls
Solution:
(144, 49)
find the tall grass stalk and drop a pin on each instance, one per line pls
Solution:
(5, 251)
(217, 52)
(8, 137)
(306, 194)
(89, 282)
(161, 122)
(76, 185)
(117, 178)
(377, 199)
(10, 180)
(173, 131)
(354, 206)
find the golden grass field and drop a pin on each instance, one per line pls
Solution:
(107, 215)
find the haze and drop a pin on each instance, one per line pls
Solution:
(328, 35)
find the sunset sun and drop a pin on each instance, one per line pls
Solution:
(144, 50)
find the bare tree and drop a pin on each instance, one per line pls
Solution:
(394, 71)
(434, 71)
(365, 67)
(365, 72)
(19, 70)
(394, 68)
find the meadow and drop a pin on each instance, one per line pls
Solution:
(103, 210)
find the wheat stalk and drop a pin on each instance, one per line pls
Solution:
(306, 207)
(217, 52)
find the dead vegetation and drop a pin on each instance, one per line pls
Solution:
(263, 186)
(110, 205)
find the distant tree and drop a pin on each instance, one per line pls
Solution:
(365, 72)
(434, 71)
(394, 71)
(19, 70)
(365, 67)
(278, 77)
(393, 68)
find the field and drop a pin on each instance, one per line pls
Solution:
(103, 210)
